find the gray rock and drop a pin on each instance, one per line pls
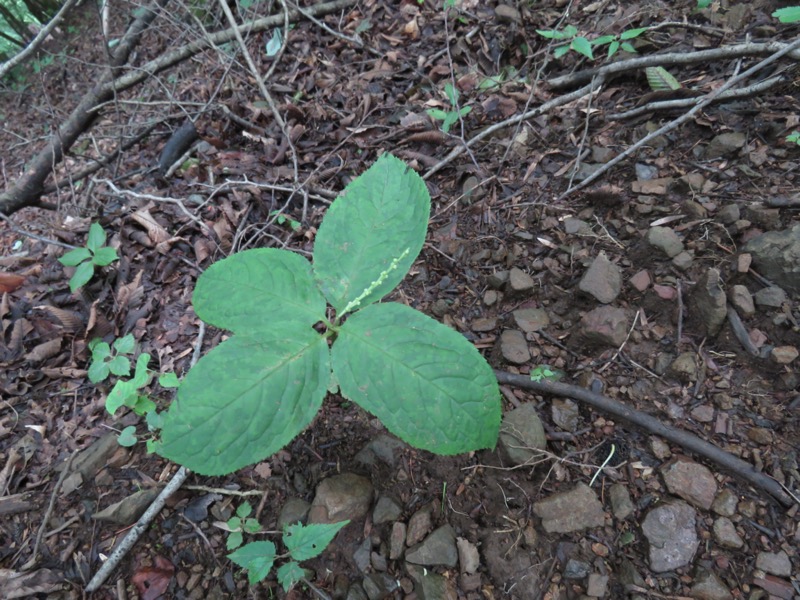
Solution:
(386, 510)
(378, 561)
(725, 533)
(684, 367)
(362, 555)
(341, 497)
(708, 586)
(573, 225)
(531, 319)
(468, 558)
(621, 504)
(574, 510)
(384, 448)
(431, 586)
(783, 355)
(691, 481)
(565, 413)
(606, 326)
(725, 144)
(742, 300)
(483, 324)
(439, 548)
(771, 297)
(670, 531)
(293, 511)
(514, 347)
(576, 569)
(729, 214)
(419, 525)
(519, 281)
(776, 255)
(708, 304)
(397, 540)
(597, 585)
(379, 585)
(628, 575)
(356, 592)
(683, 260)
(776, 563)
(521, 435)
(645, 172)
(507, 14)
(497, 280)
(665, 240)
(603, 279)
(725, 503)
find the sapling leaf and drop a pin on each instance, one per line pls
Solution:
(104, 256)
(96, 237)
(612, 48)
(308, 541)
(169, 380)
(381, 213)
(788, 14)
(75, 257)
(289, 573)
(246, 399)
(582, 46)
(141, 376)
(127, 437)
(632, 33)
(251, 290)
(251, 526)
(98, 371)
(603, 39)
(449, 121)
(257, 558)
(235, 539)
(452, 93)
(83, 275)
(143, 405)
(125, 345)
(122, 394)
(425, 382)
(560, 51)
(244, 509)
(154, 421)
(119, 366)
(628, 47)
(437, 114)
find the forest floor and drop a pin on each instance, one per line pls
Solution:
(636, 287)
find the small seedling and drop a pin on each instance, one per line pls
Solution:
(302, 543)
(261, 387)
(449, 118)
(788, 14)
(282, 219)
(85, 259)
(110, 360)
(619, 42)
(545, 372)
(239, 524)
(583, 46)
(794, 138)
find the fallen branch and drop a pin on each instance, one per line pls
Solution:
(685, 439)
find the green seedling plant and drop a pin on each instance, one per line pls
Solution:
(583, 45)
(85, 259)
(794, 138)
(302, 542)
(239, 524)
(282, 219)
(114, 360)
(260, 388)
(449, 118)
(546, 373)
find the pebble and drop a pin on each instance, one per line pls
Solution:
(670, 531)
(606, 326)
(386, 510)
(419, 525)
(468, 557)
(776, 563)
(742, 300)
(725, 503)
(597, 585)
(531, 319)
(574, 510)
(783, 355)
(708, 304)
(341, 497)
(439, 548)
(565, 413)
(725, 533)
(514, 347)
(603, 280)
(521, 435)
(665, 240)
(691, 481)
(771, 297)
(621, 504)
(641, 281)
(519, 281)
(708, 586)
(397, 540)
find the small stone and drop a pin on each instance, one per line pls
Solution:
(341, 497)
(565, 413)
(573, 226)
(742, 300)
(729, 214)
(683, 260)
(430, 585)
(603, 279)
(356, 592)
(670, 531)
(628, 575)
(691, 481)
(468, 558)
(771, 297)
(641, 281)
(531, 319)
(397, 540)
(760, 435)
(725, 144)
(521, 435)
(776, 256)
(362, 555)
(378, 586)
(703, 413)
(684, 367)
(519, 281)
(775, 587)
(419, 525)
(597, 585)
(665, 240)
(776, 563)
(497, 280)
(725, 503)
(708, 303)
(783, 355)
(726, 534)
(708, 586)
(574, 510)
(621, 504)
(660, 448)
(386, 510)
(295, 510)
(483, 324)
(439, 548)
(606, 325)
(491, 297)
(507, 14)
(384, 448)
(514, 347)
(576, 569)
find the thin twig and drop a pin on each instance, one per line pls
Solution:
(33, 236)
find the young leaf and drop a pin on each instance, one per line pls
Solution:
(425, 382)
(96, 238)
(104, 256)
(143, 405)
(141, 376)
(122, 394)
(83, 274)
(257, 558)
(125, 345)
(119, 366)
(437, 114)
(789, 14)
(169, 380)
(382, 214)
(244, 510)
(289, 574)
(274, 44)
(251, 526)
(98, 371)
(452, 94)
(127, 437)
(582, 46)
(235, 539)
(246, 399)
(660, 79)
(603, 39)
(251, 290)
(75, 257)
(465, 110)
(450, 120)
(560, 51)
(632, 33)
(550, 34)
(628, 47)
(612, 48)
(308, 541)
(154, 421)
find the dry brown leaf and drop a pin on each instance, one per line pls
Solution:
(155, 232)
(10, 282)
(44, 350)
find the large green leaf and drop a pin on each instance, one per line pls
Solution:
(257, 558)
(425, 382)
(246, 399)
(252, 290)
(376, 227)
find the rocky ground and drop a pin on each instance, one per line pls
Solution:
(671, 286)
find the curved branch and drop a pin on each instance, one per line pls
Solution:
(685, 439)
